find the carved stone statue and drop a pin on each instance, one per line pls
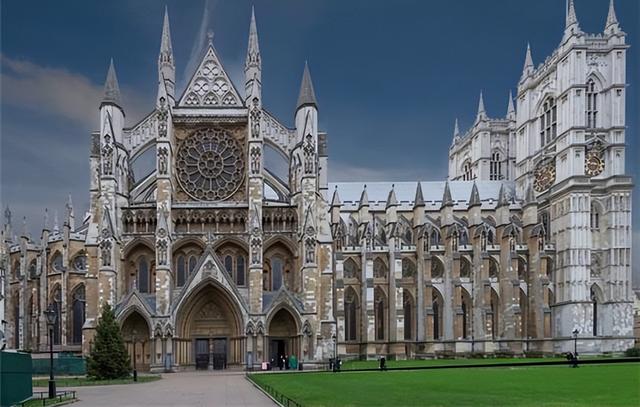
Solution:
(105, 252)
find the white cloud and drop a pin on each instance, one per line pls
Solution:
(58, 92)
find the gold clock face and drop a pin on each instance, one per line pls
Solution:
(594, 164)
(545, 176)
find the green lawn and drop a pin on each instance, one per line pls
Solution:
(48, 402)
(85, 381)
(373, 364)
(589, 385)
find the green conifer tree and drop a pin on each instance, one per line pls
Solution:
(109, 358)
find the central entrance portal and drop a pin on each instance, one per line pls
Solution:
(211, 353)
(210, 333)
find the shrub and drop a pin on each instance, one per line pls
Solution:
(632, 352)
(108, 358)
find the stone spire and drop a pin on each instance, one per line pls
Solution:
(335, 200)
(612, 21)
(253, 48)
(166, 64)
(446, 196)
(571, 21)
(71, 219)
(528, 63)
(474, 198)
(482, 114)
(7, 222)
(419, 199)
(56, 226)
(111, 88)
(45, 221)
(25, 229)
(364, 198)
(391, 198)
(307, 96)
(511, 110)
(166, 49)
(456, 131)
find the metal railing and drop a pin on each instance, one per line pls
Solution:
(44, 396)
(280, 398)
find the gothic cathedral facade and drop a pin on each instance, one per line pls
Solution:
(235, 249)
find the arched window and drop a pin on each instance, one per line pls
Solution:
(56, 301)
(408, 267)
(522, 269)
(350, 314)
(591, 112)
(467, 172)
(493, 268)
(192, 264)
(240, 271)
(548, 122)
(495, 166)
(143, 275)
(80, 262)
(465, 268)
(228, 264)
(56, 262)
(379, 301)
(595, 217)
(16, 270)
(435, 238)
(182, 271)
(494, 314)
(78, 312)
(33, 269)
(379, 268)
(407, 308)
(350, 269)
(277, 265)
(437, 308)
(437, 268)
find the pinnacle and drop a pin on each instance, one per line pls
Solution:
(306, 96)
(111, 87)
(612, 19)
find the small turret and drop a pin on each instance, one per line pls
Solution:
(335, 207)
(474, 206)
(166, 64)
(482, 114)
(511, 110)
(418, 206)
(528, 64)
(307, 96)
(111, 88)
(71, 218)
(456, 131)
(611, 26)
(571, 26)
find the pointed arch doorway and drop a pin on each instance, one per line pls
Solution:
(283, 338)
(209, 331)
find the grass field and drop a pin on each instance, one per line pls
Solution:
(373, 364)
(589, 385)
(85, 381)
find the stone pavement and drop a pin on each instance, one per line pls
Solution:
(178, 389)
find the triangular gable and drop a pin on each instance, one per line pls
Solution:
(210, 86)
(209, 268)
(133, 300)
(284, 297)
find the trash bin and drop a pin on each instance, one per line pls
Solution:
(299, 365)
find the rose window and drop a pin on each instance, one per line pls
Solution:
(209, 165)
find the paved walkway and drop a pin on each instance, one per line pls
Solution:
(178, 389)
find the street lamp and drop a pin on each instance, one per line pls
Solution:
(51, 316)
(335, 353)
(135, 371)
(575, 342)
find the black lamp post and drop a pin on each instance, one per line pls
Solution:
(335, 353)
(135, 371)
(51, 315)
(575, 342)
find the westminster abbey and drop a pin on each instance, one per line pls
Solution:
(235, 249)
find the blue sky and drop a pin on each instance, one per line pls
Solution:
(390, 77)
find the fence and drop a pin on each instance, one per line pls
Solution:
(43, 396)
(280, 398)
(64, 364)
